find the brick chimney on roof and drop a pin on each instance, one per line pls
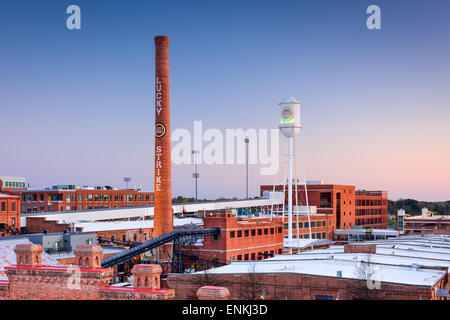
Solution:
(213, 293)
(88, 256)
(147, 276)
(28, 254)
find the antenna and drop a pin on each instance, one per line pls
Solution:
(127, 179)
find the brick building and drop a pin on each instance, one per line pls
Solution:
(347, 206)
(9, 214)
(30, 280)
(371, 209)
(12, 183)
(75, 198)
(393, 269)
(321, 226)
(239, 239)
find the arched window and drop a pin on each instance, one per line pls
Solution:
(147, 285)
(96, 261)
(87, 262)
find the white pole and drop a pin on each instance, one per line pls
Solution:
(290, 190)
(307, 205)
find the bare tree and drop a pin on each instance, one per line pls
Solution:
(253, 286)
(366, 286)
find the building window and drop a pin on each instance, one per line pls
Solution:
(239, 233)
(253, 255)
(246, 256)
(253, 232)
(246, 233)
(280, 230)
(3, 206)
(13, 221)
(286, 226)
(13, 206)
(266, 231)
(239, 257)
(232, 234)
(259, 232)
(313, 224)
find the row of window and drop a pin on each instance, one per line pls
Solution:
(367, 221)
(314, 224)
(316, 235)
(374, 202)
(34, 209)
(3, 206)
(12, 184)
(367, 212)
(254, 255)
(253, 232)
(124, 238)
(90, 197)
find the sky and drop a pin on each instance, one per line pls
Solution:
(77, 106)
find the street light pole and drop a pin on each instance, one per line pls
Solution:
(246, 167)
(195, 175)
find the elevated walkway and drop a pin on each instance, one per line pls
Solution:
(156, 242)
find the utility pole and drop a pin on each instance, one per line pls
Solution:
(195, 175)
(246, 167)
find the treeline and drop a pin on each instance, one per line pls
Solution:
(181, 199)
(414, 207)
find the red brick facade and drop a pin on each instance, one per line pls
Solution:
(371, 209)
(291, 286)
(239, 239)
(38, 201)
(9, 215)
(29, 280)
(347, 206)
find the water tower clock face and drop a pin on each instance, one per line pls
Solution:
(287, 115)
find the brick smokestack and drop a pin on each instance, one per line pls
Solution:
(163, 183)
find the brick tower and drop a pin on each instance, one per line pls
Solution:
(163, 182)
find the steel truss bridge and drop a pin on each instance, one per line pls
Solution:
(175, 237)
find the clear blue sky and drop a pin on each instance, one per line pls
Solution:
(78, 106)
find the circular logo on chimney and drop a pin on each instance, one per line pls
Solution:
(160, 130)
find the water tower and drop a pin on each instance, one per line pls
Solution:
(127, 179)
(290, 127)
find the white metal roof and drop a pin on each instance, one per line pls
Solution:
(330, 268)
(118, 213)
(128, 225)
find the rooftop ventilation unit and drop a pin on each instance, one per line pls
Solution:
(339, 273)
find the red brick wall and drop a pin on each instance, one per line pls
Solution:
(39, 225)
(355, 248)
(350, 206)
(294, 287)
(227, 248)
(46, 199)
(39, 283)
(11, 210)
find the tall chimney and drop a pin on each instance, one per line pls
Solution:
(163, 183)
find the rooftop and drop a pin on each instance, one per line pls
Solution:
(126, 225)
(8, 256)
(409, 260)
